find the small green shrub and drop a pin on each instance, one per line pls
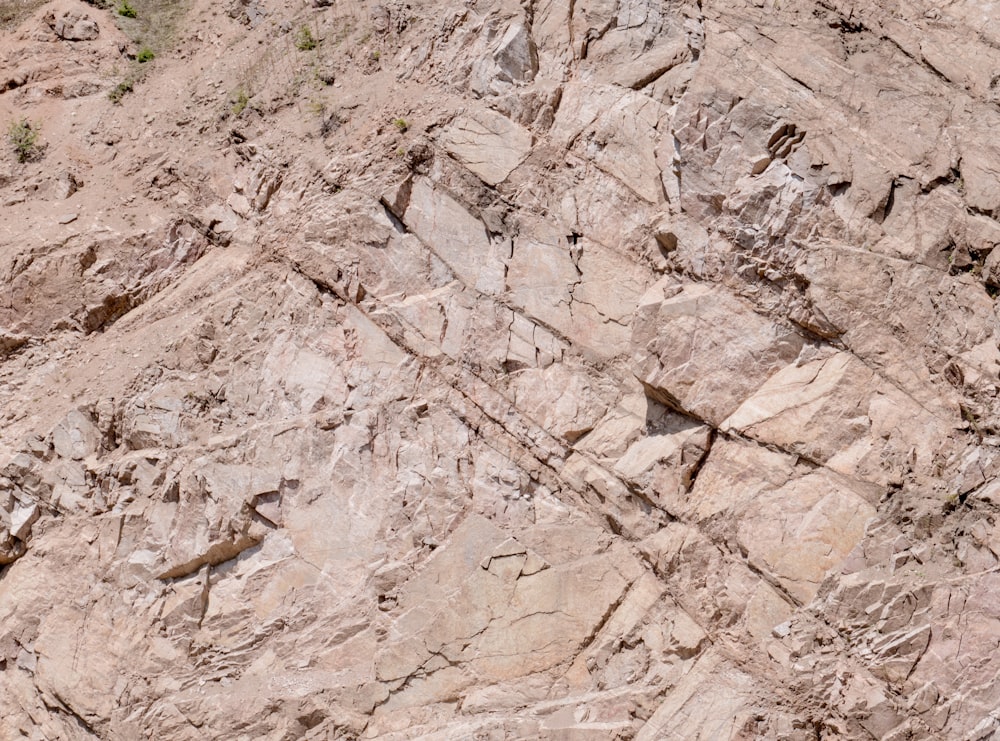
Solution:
(402, 124)
(120, 90)
(23, 137)
(304, 39)
(240, 102)
(145, 55)
(125, 10)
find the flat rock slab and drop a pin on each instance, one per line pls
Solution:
(489, 144)
(703, 351)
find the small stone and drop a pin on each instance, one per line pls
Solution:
(65, 185)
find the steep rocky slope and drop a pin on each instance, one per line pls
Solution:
(495, 370)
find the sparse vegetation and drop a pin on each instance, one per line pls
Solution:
(145, 55)
(126, 10)
(120, 90)
(304, 39)
(23, 137)
(153, 25)
(402, 124)
(240, 102)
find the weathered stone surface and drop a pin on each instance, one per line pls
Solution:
(500, 370)
(504, 60)
(687, 340)
(457, 237)
(794, 525)
(516, 54)
(72, 23)
(76, 436)
(489, 144)
(664, 464)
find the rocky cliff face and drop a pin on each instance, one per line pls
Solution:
(554, 370)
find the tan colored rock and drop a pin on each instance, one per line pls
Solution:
(641, 386)
(870, 418)
(458, 238)
(686, 348)
(72, 24)
(76, 436)
(710, 700)
(489, 144)
(664, 465)
(793, 524)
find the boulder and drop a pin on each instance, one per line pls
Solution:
(72, 24)
(702, 351)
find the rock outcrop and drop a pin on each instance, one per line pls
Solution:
(497, 370)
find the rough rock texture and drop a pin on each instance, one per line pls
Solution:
(497, 370)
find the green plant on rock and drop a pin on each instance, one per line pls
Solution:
(402, 124)
(23, 137)
(304, 39)
(240, 102)
(125, 10)
(120, 90)
(145, 55)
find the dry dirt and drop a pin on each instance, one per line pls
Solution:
(594, 369)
